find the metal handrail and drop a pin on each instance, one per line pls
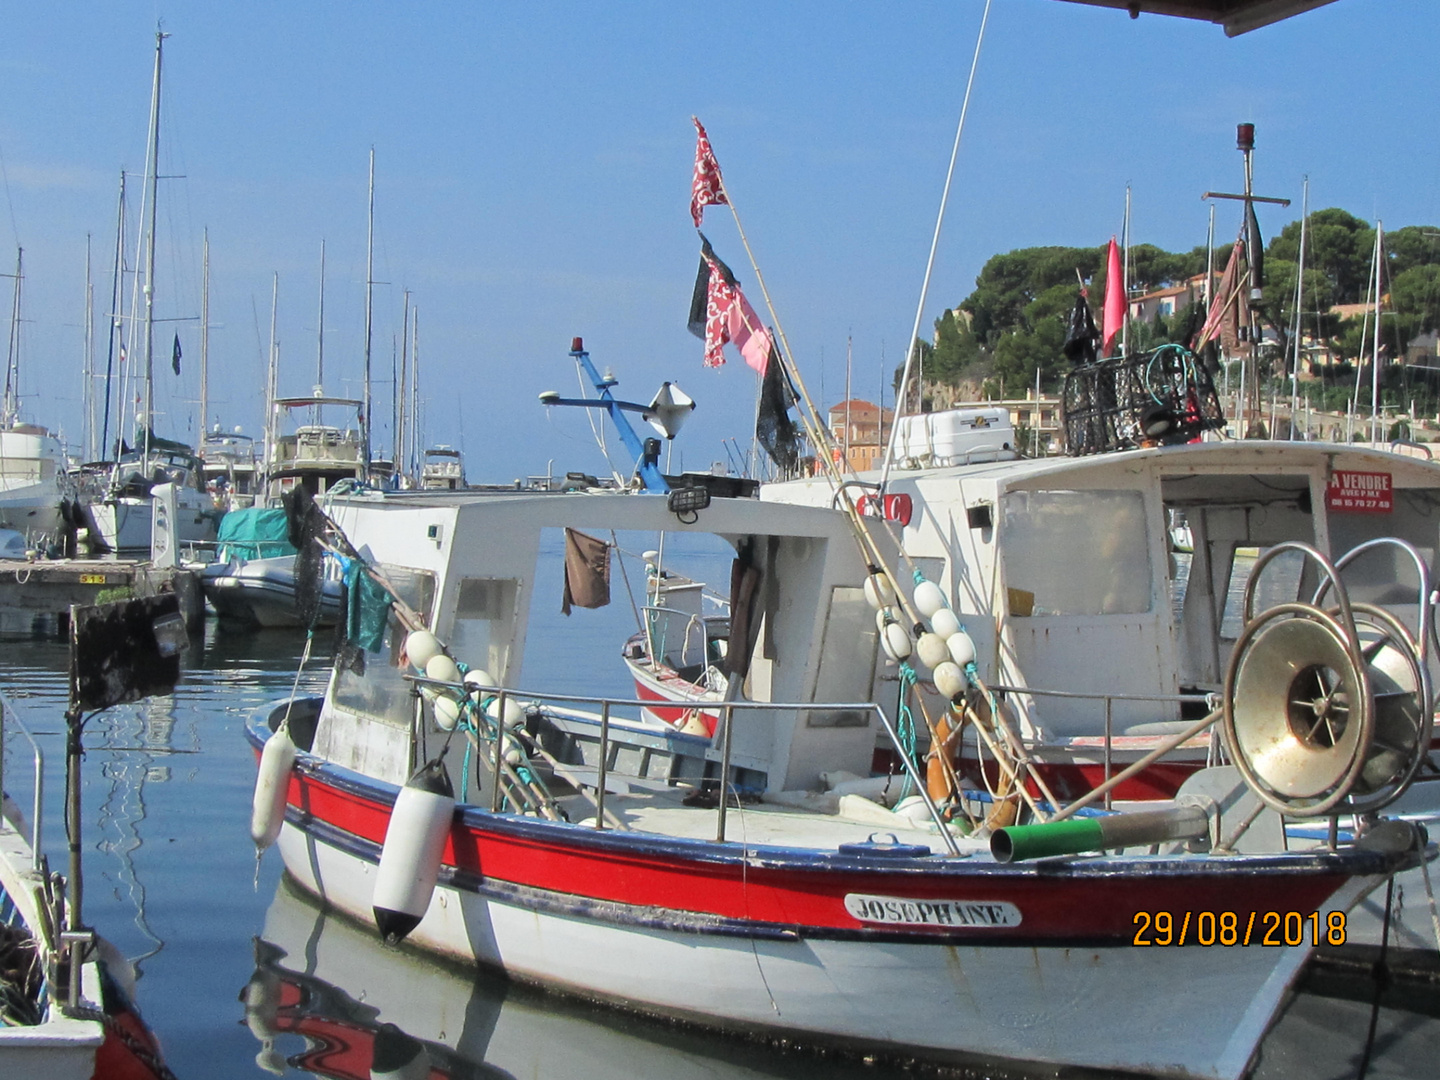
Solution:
(1109, 700)
(608, 704)
(36, 829)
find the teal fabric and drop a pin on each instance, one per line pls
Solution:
(255, 532)
(368, 609)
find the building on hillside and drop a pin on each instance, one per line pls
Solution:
(1169, 300)
(861, 429)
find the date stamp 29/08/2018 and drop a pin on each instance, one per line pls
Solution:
(1226, 928)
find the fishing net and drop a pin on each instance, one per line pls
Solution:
(306, 530)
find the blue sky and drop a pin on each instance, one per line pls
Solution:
(533, 168)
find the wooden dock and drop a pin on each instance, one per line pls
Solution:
(51, 586)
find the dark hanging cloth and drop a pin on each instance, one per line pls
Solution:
(744, 587)
(306, 525)
(175, 355)
(1082, 339)
(774, 428)
(587, 572)
(1254, 248)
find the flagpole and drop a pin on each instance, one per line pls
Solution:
(934, 245)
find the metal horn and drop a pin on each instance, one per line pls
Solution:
(1298, 709)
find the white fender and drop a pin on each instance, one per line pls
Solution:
(272, 785)
(410, 858)
(929, 598)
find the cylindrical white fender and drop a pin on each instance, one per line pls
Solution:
(962, 649)
(447, 712)
(272, 786)
(931, 650)
(949, 679)
(929, 598)
(895, 641)
(945, 623)
(420, 646)
(410, 858)
(879, 593)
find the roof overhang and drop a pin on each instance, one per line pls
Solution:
(1236, 16)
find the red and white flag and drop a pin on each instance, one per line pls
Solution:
(706, 189)
(729, 317)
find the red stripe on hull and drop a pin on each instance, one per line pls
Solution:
(1058, 901)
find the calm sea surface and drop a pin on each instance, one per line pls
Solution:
(243, 978)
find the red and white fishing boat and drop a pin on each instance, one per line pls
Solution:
(575, 842)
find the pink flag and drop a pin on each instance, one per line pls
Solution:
(729, 317)
(1114, 315)
(707, 188)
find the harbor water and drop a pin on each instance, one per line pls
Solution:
(242, 977)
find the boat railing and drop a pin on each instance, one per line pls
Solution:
(488, 710)
(8, 719)
(1210, 701)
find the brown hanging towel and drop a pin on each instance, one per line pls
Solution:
(587, 572)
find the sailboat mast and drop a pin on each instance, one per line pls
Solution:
(117, 297)
(369, 312)
(152, 180)
(400, 396)
(272, 432)
(415, 391)
(320, 331)
(12, 365)
(88, 354)
(204, 335)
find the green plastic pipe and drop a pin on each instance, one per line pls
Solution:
(1020, 842)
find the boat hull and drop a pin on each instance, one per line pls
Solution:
(764, 941)
(261, 593)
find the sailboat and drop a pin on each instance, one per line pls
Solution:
(33, 481)
(121, 518)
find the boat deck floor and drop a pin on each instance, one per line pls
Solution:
(803, 820)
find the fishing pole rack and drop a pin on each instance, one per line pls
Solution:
(1162, 396)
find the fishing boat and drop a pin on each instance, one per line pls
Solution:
(727, 879)
(66, 994)
(230, 469)
(678, 653)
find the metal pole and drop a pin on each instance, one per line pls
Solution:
(728, 717)
(499, 723)
(603, 765)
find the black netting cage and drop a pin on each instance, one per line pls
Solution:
(1165, 396)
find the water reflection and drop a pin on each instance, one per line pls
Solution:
(328, 999)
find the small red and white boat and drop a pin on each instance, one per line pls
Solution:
(576, 842)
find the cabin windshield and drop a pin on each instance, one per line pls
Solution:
(375, 684)
(1076, 553)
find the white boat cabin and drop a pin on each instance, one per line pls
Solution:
(1068, 575)
(468, 563)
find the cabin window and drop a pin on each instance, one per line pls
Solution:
(375, 684)
(485, 623)
(847, 659)
(1076, 553)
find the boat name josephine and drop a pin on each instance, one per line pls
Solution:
(898, 909)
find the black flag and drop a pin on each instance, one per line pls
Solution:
(699, 299)
(175, 355)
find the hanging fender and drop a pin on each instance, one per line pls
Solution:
(410, 858)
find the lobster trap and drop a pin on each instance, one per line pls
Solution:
(1164, 396)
